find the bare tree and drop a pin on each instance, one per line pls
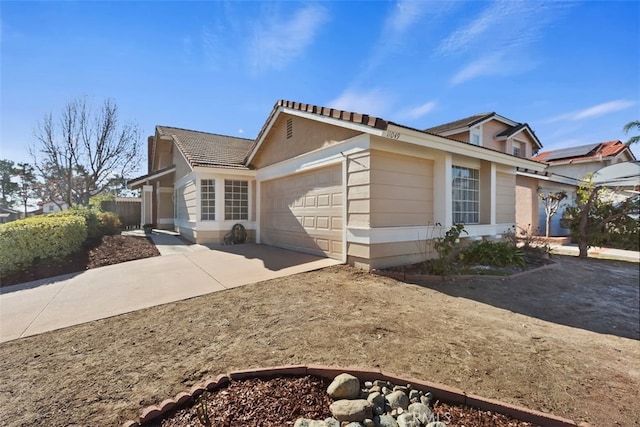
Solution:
(551, 202)
(84, 151)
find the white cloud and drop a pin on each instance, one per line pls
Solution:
(374, 102)
(604, 108)
(240, 131)
(500, 26)
(274, 48)
(503, 35)
(405, 14)
(595, 111)
(419, 111)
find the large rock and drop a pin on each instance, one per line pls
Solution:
(385, 421)
(351, 410)
(344, 386)
(407, 419)
(397, 399)
(421, 412)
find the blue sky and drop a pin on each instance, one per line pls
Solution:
(569, 69)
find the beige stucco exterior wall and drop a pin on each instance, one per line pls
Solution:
(189, 194)
(401, 190)
(505, 198)
(577, 170)
(163, 153)
(215, 237)
(358, 190)
(182, 167)
(462, 136)
(489, 131)
(526, 203)
(165, 205)
(307, 135)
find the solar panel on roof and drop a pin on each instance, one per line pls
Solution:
(565, 153)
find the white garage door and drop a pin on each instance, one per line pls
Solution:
(303, 212)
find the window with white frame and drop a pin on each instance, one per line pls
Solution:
(518, 149)
(236, 200)
(475, 136)
(207, 199)
(465, 195)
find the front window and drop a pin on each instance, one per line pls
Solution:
(236, 200)
(466, 195)
(208, 199)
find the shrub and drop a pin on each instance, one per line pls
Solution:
(24, 241)
(90, 216)
(497, 254)
(108, 224)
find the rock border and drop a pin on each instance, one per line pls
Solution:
(440, 392)
(404, 277)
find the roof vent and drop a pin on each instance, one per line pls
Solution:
(289, 128)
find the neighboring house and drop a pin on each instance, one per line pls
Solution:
(493, 131)
(577, 162)
(8, 214)
(51, 207)
(566, 167)
(348, 186)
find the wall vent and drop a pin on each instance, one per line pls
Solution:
(289, 128)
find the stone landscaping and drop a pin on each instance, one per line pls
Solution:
(273, 397)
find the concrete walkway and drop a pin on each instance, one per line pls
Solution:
(602, 253)
(184, 271)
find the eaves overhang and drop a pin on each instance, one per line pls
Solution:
(137, 182)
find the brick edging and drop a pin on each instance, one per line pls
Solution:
(402, 276)
(439, 391)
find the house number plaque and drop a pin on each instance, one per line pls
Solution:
(393, 135)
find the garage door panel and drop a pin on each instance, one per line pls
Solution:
(304, 212)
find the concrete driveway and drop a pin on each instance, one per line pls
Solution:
(188, 271)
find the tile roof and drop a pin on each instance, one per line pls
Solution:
(462, 123)
(209, 149)
(364, 119)
(512, 130)
(603, 149)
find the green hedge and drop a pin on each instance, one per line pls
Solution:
(49, 237)
(90, 216)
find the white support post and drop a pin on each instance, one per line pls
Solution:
(443, 210)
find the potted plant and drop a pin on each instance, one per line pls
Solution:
(147, 228)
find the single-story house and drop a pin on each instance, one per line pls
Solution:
(358, 188)
(51, 206)
(7, 214)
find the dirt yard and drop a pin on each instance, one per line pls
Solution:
(562, 340)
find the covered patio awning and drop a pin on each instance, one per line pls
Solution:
(146, 179)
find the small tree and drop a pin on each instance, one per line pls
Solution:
(8, 188)
(595, 217)
(551, 202)
(27, 184)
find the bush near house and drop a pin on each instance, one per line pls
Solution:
(24, 241)
(108, 224)
(90, 217)
(98, 223)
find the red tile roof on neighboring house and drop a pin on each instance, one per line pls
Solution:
(591, 152)
(209, 149)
